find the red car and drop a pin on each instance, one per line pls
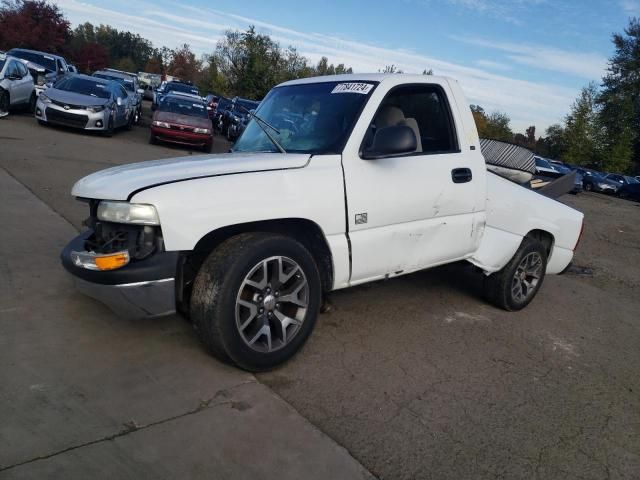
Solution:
(182, 119)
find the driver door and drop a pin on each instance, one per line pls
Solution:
(411, 211)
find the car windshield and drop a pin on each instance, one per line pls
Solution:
(310, 118)
(128, 84)
(223, 103)
(45, 61)
(83, 86)
(180, 87)
(183, 107)
(632, 180)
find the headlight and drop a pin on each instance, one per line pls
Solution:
(125, 212)
(161, 124)
(201, 130)
(96, 108)
(44, 98)
(603, 185)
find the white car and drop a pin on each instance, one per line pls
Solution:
(336, 181)
(16, 85)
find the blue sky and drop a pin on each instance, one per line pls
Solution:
(528, 58)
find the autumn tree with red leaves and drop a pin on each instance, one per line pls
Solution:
(91, 57)
(34, 24)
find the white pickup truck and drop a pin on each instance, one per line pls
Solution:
(335, 182)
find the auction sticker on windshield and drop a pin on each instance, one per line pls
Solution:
(362, 88)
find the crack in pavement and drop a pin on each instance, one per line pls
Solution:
(132, 426)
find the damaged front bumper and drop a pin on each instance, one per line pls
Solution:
(140, 289)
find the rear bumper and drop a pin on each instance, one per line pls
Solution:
(141, 289)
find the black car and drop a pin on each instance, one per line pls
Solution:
(222, 106)
(593, 181)
(235, 116)
(630, 191)
(173, 86)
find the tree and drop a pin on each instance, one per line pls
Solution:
(33, 24)
(184, 64)
(555, 143)
(91, 57)
(582, 132)
(390, 69)
(494, 126)
(619, 102)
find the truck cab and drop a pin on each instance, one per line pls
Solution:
(336, 181)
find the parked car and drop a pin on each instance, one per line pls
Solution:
(630, 191)
(595, 181)
(212, 102)
(621, 179)
(16, 85)
(221, 107)
(182, 119)
(148, 91)
(55, 65)
(544, 167)
(234, 116)
(86, 102)
(130, 83)
(378, 183)
(173, 86)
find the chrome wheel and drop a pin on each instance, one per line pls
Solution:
(271, 304)
(527, 276)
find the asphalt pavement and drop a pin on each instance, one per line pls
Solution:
(416, 377)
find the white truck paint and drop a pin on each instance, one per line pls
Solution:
(416, 216)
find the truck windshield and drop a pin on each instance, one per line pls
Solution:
(313, 118)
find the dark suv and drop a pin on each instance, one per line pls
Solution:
(173, 86)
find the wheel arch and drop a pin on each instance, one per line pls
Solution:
(307, 232)
(543, 236)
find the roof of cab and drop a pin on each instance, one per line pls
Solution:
(369, 77)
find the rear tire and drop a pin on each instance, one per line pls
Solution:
(588, 187)
(237, 307)
(513, 287)
(152, 139)
(4, 103)
(32, 102)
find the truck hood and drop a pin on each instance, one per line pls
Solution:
(119, 183)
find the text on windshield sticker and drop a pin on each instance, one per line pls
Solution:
(362, 88)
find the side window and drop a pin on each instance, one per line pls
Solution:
(122, 93)
(423, 108)
(23, 70)
(12, 70)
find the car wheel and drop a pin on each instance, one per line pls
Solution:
(4, 103)
(42, 122)
(513, 287)
(623, 195)
(136, 119)
(152, 139)
(208, 147)
(132, 117)
(109, 131)
(255, 300)
(588, 187)
(32, 102)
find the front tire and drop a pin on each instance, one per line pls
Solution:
(109, 131)
(4, 103)
(256, 299)
(32, 103)
(513, 287)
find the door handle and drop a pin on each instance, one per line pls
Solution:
(461, 175)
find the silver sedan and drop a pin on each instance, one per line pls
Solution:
(85, 102)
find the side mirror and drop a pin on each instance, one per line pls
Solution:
(392, 141)
(119, 101)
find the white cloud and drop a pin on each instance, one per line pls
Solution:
(590, 66)
(630, 7)
(492, 65)
(526, 102)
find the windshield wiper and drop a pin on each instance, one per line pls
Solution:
(263, 124)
